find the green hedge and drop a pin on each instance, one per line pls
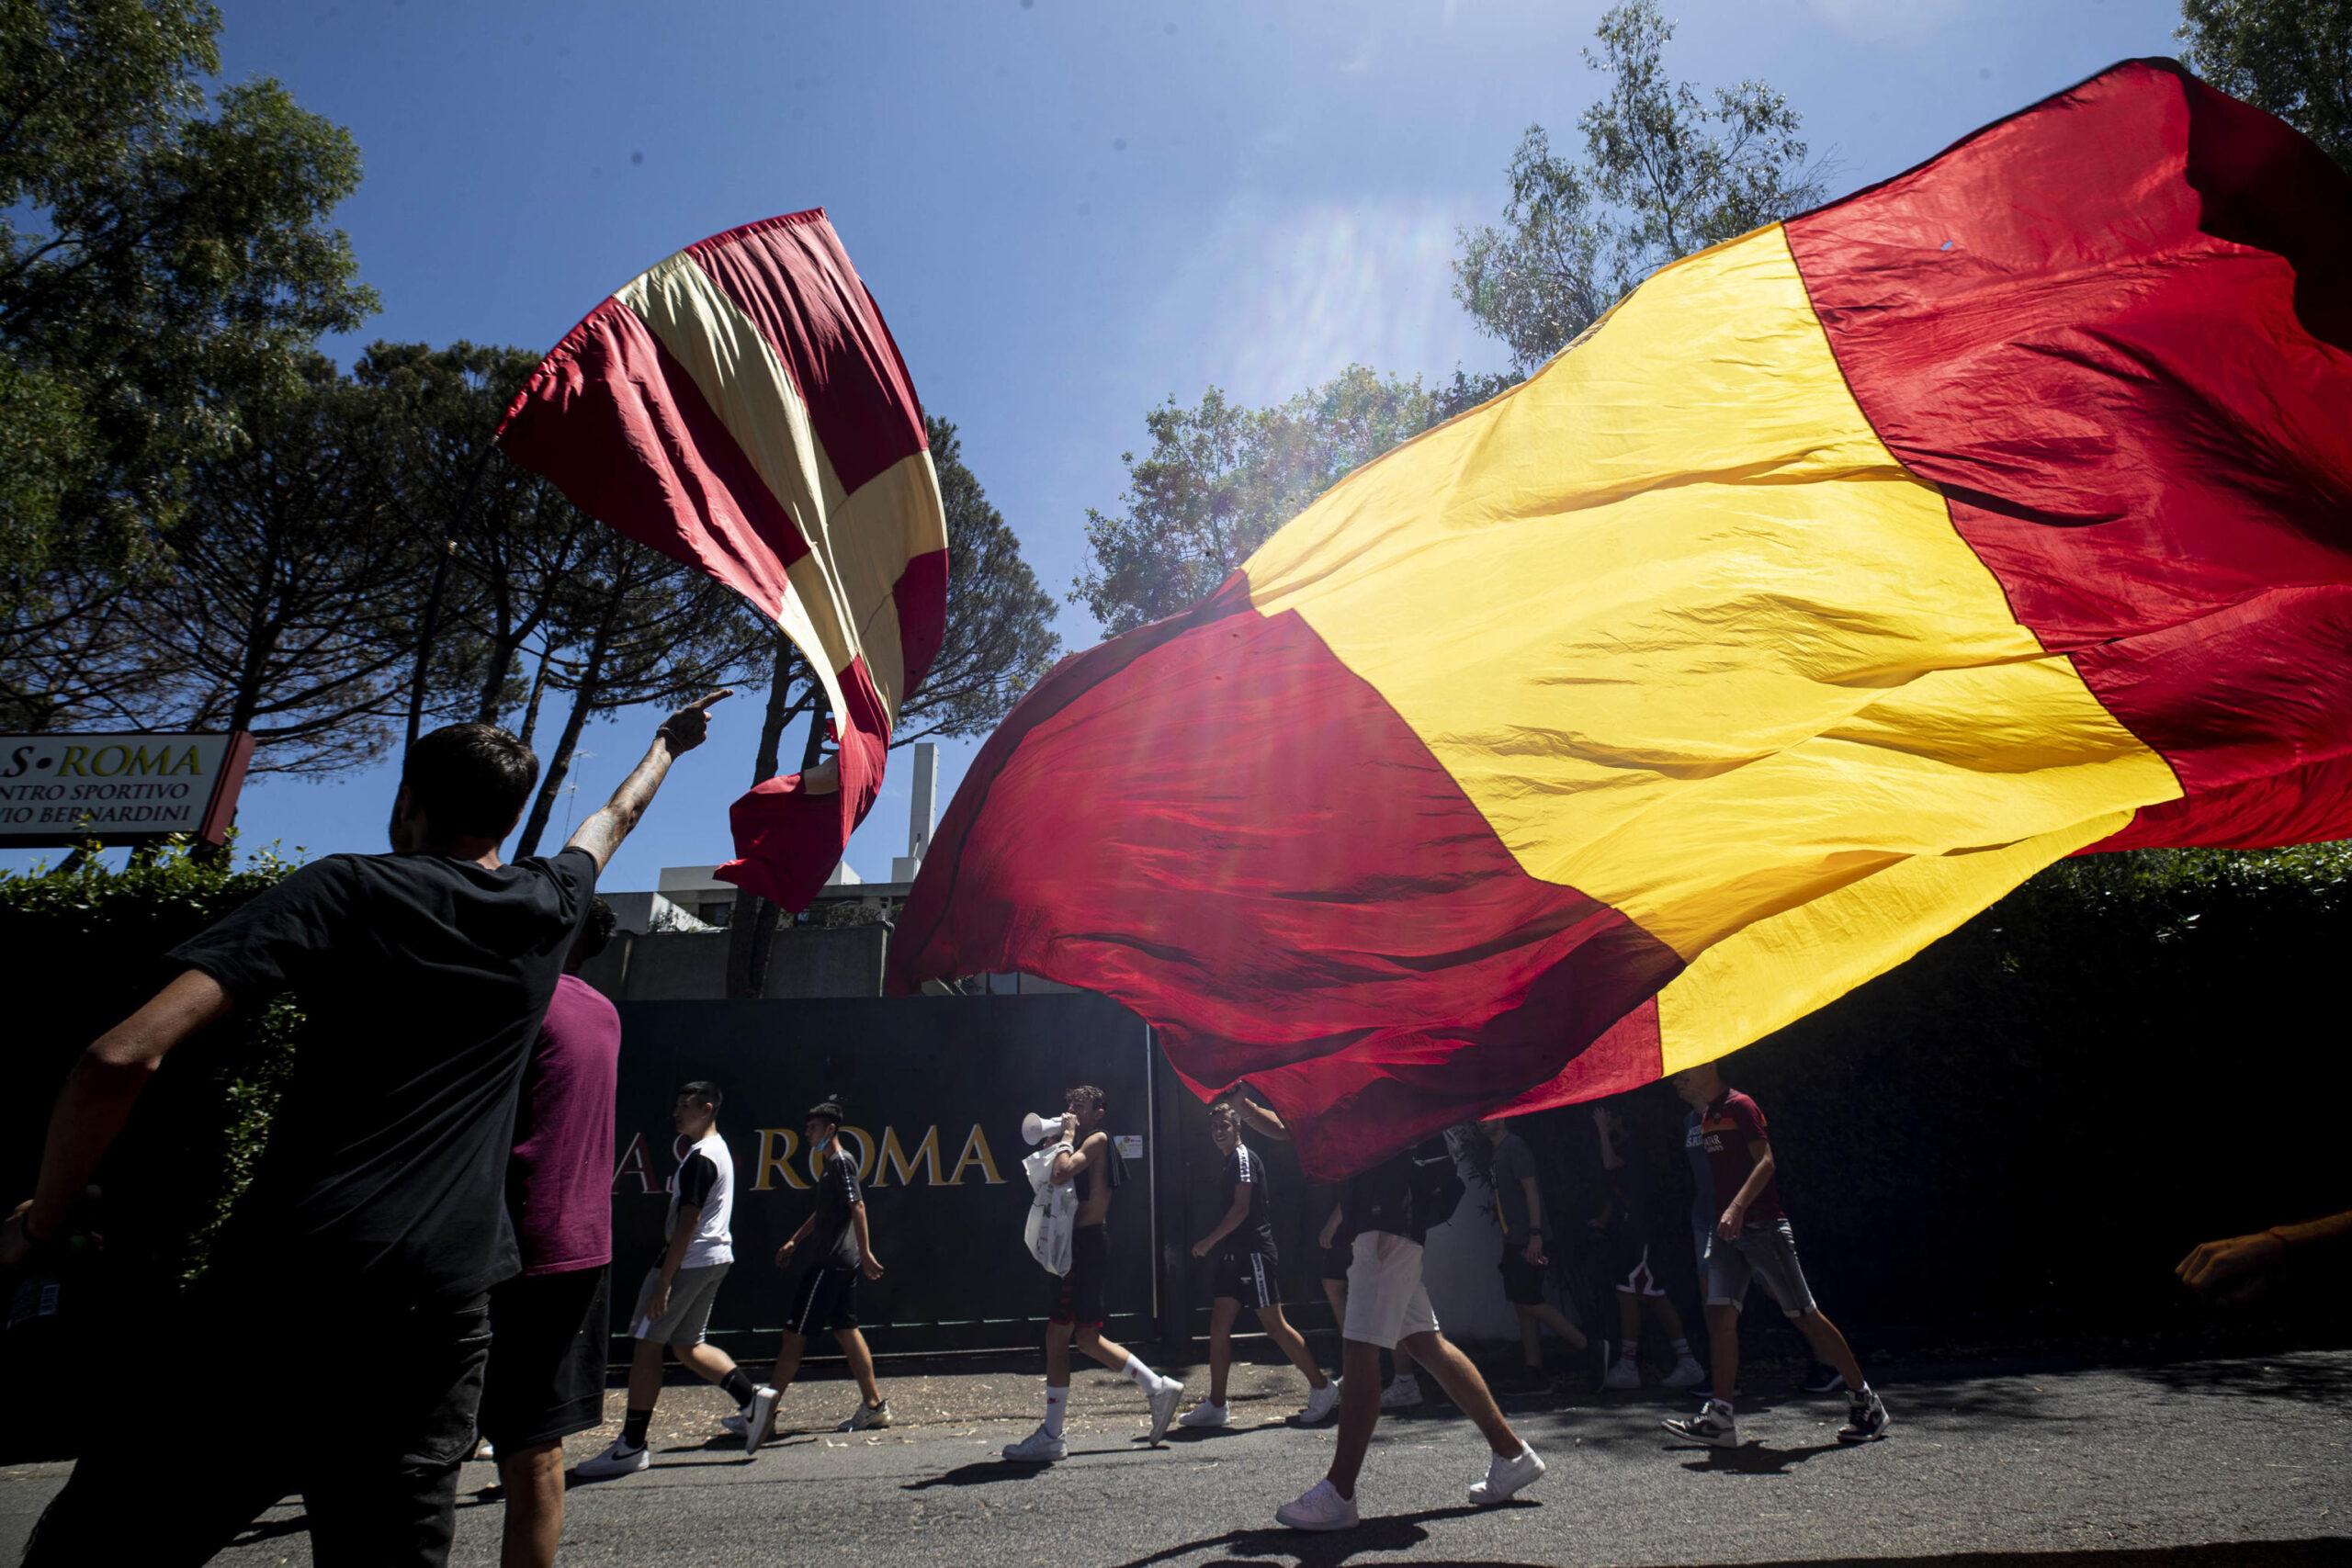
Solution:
(88, 944)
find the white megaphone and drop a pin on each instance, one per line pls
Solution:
(1039, 1128)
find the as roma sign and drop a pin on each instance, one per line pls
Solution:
(119, 789)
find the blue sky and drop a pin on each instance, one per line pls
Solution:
(1069, 209)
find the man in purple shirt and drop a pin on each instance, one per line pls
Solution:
(548, 1324)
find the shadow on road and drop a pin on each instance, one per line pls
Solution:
(1753, 1458)
(1396, 1532)
(980, 1473)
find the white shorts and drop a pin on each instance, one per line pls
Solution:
(1386, 1298)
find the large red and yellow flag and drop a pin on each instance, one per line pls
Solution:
(742, 408)
(1842, 577)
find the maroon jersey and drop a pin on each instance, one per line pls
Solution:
(1723, 1132)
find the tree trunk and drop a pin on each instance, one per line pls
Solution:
(551, 781)
(752, 927)
(531, 708)
(591, 671)
(425, 631)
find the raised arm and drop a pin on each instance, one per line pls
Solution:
(601, 833)
(99, 1092)
(1260, 1117)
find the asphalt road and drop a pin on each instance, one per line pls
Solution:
(2210, 1465)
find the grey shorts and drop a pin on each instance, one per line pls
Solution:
(1766, 1252)
(691, 1295)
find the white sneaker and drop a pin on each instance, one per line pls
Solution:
(1165, 1397)
(1402, 1394)
(1202, 1415)
(1320, 1507)
(617, 1460)
(1321, 1403)
(866, 1416)
(1687, 1374)
(1505, 1477)
(759, 1418)
(1039, 1447)
(1622, 1374)
(1712, 1426)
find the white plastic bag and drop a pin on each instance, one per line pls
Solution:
(1053, 1213)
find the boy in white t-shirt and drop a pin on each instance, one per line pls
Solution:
(674, 1304)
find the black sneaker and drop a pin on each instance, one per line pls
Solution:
(1865, 1419)
(1823, 1380)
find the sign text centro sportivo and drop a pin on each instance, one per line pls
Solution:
(69, 789)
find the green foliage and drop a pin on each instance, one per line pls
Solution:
(2292, 58)
(1221, 477)
(1665, 171)
(98, 936)
(157, 248)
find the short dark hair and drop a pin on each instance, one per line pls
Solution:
(702, 1091)
(473, 779)
(1087, 1092)
(597, 930)
(825, 1110)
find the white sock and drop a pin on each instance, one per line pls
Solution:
(1056, 1407)
(1682, 1348)
(1143, 1377)
(1626, 1352)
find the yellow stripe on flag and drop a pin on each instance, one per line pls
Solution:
(857, 545)
(1695, 644)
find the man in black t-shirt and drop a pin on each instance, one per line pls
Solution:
(835, 1247)
(377, 1220)
(1244, 1274)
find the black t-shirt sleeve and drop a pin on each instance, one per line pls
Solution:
(695, 1179)
(277, 938)
(573, 872)
(842, 1178)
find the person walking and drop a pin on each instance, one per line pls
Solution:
(1623, 1232)
(376, 1223)
(544, 1379)
(674, 1301)
(1753, 1239)
(1075, 1315)
(1519, 1210)
(1392, 1205)
(1245, 1274)
(835, 1247)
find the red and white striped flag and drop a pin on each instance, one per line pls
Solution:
(742, 408)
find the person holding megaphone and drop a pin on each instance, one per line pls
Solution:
(1081, 1158)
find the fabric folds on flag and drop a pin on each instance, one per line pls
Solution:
(742, 408)
(1844, 576)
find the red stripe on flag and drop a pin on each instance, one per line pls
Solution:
(622, 429)
(921, 595)
(790, 275)
(787, 840)
(1305, 897)
(2117, 331)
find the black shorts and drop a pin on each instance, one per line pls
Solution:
(826, 1301)
(1628, 1254)
(546, 1377)
(1522, 1280)
(1078, 1295)
(1248, 1278)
